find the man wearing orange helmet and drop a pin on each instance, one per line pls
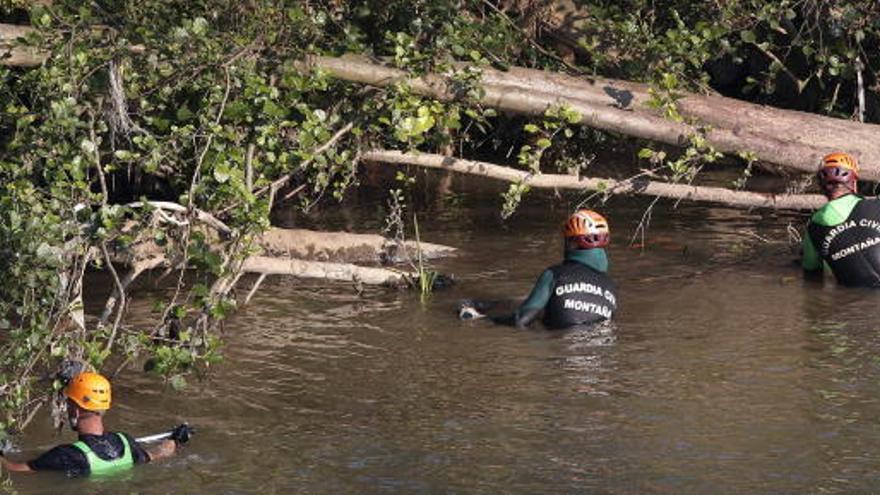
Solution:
(575, 292)
(97, 451)
(845, 233)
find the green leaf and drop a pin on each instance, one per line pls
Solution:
(748, 36)
(221, 172)
(199, 26)
(178, 382)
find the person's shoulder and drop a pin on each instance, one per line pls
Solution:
(65, 457)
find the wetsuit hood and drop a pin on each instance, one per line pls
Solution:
(596, 258)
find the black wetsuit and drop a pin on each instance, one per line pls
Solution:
(73, 462)
(574, 292)
(845, 234)
(581, 296)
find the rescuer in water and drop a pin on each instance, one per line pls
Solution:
(98, 451)
(575, 292)
(844, 235)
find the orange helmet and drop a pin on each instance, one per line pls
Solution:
(587, 228)
(90, 391)
(839, 168)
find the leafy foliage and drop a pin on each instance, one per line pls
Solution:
(209, 104)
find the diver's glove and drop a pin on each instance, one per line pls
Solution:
(467, 311)
(182, 433)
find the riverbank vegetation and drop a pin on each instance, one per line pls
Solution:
(161, 134)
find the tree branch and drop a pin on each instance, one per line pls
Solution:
(610, 186)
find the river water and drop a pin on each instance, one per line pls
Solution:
(723, 373)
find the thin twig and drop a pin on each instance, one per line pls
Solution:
(859, 68)
(97, 157)
(122, 299)
(278, 183)
(249, 167)
(254, 288)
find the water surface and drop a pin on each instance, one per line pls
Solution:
(723, 373)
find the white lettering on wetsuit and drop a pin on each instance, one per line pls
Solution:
(864, 223)
(843, 253)
(826, 243)
(585, 287)
(586, 307)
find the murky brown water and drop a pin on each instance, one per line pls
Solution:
(724, 373)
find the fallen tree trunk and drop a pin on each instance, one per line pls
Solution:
(345, 246)
(17, 56)
(745, 121)
(303, 253)
(729, 197)
(792, 139)
(344, 272)
(294, 243)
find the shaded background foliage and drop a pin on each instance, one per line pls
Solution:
(204, 103)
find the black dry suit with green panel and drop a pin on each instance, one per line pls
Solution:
(845, 234)
(93, 454)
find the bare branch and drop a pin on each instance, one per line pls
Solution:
(202, 216)
(611, 186)
(254, 288)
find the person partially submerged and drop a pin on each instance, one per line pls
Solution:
(577, 291)
(97, 451)
(843, 235)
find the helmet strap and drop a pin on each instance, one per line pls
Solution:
(72, 416)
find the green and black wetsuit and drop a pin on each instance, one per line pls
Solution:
(844, 235)
(575, 292)
(93, 454)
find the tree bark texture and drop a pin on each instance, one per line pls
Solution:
(742, 199)
(17, 56)
(344, 272)
(792, 139)
(345, 247)
(305, 253)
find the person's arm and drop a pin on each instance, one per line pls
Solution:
(19, 467)
(64, 458)
(165, 449)
(529, 310)
(810, 260)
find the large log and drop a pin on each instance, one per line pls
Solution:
(307, 244)
(744, 120)
(344, 272)
(345, 246)
(792, 139)
(744, 199)
(17, 56)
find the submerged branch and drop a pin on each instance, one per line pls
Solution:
(328, 271)
(607, 186)
(344, 246)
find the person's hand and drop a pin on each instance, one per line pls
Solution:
(182, 433)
